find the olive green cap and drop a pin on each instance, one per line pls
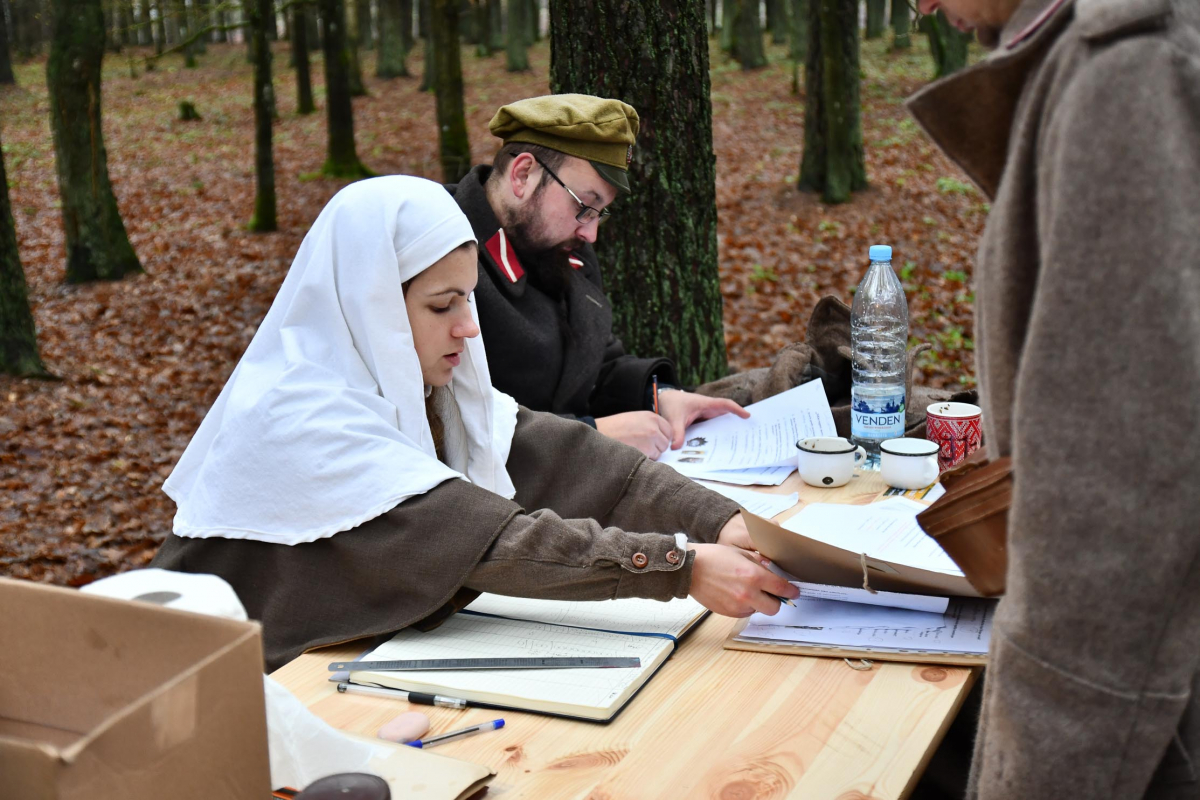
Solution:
(596, 129)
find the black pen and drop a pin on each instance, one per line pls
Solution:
(399, 694)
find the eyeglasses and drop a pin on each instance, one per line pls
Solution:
(586, 213)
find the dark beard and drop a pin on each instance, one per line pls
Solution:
(546, 268)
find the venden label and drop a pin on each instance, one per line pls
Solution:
(877, 416)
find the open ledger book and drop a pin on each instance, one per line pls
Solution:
(497, 626)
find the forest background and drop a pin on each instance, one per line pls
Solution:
(137, 362)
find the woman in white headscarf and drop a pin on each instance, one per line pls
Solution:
(359, 474)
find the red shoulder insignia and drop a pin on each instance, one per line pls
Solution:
(502, 252)
(575, 262)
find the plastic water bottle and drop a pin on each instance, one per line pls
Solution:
(879, 340)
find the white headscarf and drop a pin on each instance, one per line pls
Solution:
(322, 425)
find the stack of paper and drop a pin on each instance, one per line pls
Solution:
(758, 450)
(834, 620)
(887, 531)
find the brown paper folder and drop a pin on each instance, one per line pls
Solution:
(416, 774)
(817, 562)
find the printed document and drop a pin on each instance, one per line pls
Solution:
(767, 439)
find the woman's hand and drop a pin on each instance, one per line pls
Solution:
(681, 409)
(733, 582)
(735, 534)
(644, 430)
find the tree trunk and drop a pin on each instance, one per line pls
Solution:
(97, 246)
(798, 41)
(6, 70)
(18, 337)
(515, 43)
(27, 32)
(406, 27)
(748, 49)
(483, 26)
(353, 67)
(390, 60)
(430, 50)
(199, 17)
(533, 18)
(160, 26)
(901, 40)
(660, 258)
(453, 147)
(304, 92)
(728, 40)
(496, 14)
(876, 18)
(314, 27)
(832, 163)
(261, 14)
(365, 30)
(778, 9)
(342, 160)
(947, 44)
(222, 35)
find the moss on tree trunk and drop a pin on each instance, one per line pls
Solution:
(342, 157)
(261, 14)
(453, 147)
(18, 337)
(832, 163)
(659, 254)
(97, 245)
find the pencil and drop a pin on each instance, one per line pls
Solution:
(654, 383)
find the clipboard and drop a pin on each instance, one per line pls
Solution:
(818, 562)
(830, 651)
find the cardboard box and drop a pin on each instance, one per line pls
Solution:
(110, 699)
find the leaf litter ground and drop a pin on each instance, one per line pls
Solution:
(83, 458)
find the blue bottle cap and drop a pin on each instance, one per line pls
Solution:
(881, 252)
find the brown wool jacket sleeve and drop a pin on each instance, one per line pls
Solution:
(590, 482)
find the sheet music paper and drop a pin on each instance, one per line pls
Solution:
(627, 615)
(768, 438)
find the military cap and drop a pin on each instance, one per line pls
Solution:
(597, 129)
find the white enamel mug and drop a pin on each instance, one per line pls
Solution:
(908, 463)
(828, 461)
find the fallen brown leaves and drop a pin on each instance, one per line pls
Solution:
(82, 459)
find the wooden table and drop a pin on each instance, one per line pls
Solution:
(713, 723)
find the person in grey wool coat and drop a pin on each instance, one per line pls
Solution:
(1083, 129)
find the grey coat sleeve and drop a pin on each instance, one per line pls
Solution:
(1095, 651)
(596, 507)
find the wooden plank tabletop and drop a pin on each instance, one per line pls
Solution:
(713, 722)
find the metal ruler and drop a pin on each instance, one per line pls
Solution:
(588, 662)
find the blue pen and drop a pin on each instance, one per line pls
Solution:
(495, 724)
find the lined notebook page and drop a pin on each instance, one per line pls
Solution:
(629, 615)
(563, 691)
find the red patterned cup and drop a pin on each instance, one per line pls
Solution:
(956, 428)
